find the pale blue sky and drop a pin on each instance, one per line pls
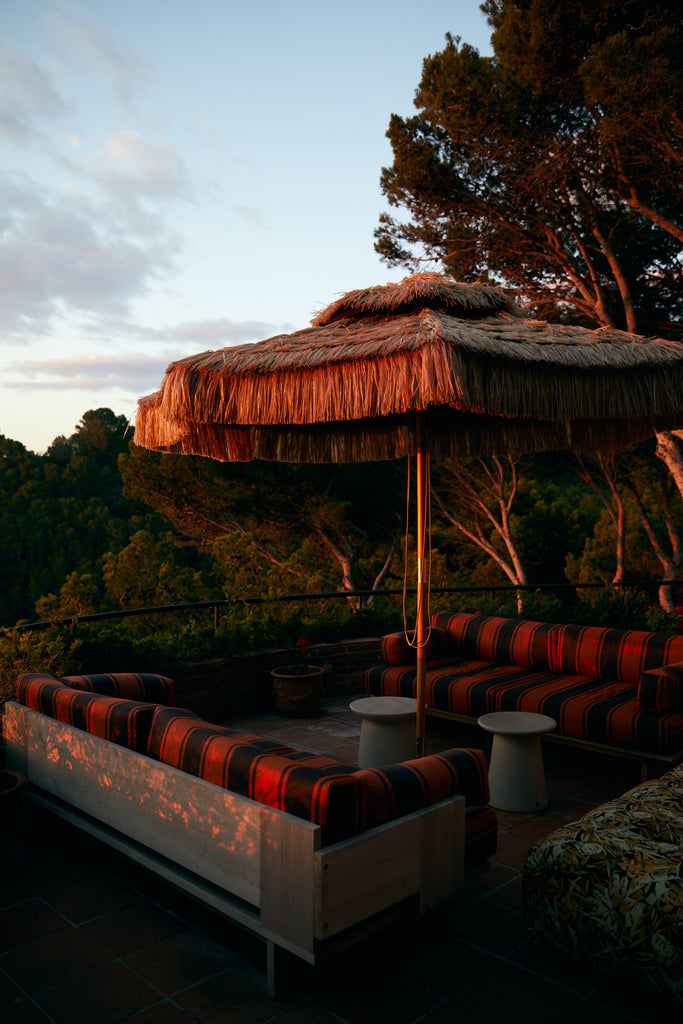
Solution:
(178, 176)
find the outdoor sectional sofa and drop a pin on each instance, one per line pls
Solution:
(306, 852)
(607, 890)
(613, 690)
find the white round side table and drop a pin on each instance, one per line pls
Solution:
(387, 731)
(516, 773)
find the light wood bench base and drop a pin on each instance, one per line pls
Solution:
(259, 867)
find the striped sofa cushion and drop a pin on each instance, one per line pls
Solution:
(597, 651)
(662, 688)
(146, 686)
(121, 721)
(342, 800)
(606, 653)
(604, 711)
(509, 641)
(318, 789)
(400, 649)
(399, 789)
(179, 735)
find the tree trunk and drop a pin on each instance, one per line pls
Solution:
(614, 507)
(669, 451)
(670, 561)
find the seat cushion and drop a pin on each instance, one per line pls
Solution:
(183, 739)
(602, 711)
(121, 721)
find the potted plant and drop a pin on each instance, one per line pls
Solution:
(297, 688)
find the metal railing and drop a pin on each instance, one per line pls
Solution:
(361, 595)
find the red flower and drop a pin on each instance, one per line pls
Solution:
(301, 654)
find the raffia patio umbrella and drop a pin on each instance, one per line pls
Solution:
(428, 367)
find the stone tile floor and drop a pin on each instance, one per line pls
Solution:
(88, 938)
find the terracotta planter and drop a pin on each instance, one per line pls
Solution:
(297, 694)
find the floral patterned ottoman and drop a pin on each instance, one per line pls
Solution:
(608, 889)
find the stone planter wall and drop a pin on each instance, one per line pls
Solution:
(219, 687)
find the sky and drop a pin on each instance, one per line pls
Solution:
(182, 176)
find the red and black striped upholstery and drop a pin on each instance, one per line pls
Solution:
(399, 789)
(587, 678)
(180, 735)
(400, 648)
(343, 801)
(121, 721)
(146, 686)
(662, 688)
(596, 651)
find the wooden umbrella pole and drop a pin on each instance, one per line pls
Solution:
(422, 625)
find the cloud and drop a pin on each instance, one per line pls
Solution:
(91, 371)
(132, 167)
(65, 252)
(135, 373)
(28, 98)
(251, 214)
(86, 41)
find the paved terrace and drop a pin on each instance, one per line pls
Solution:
(88, 938)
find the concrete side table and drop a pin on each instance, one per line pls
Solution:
(387, 732)
(516, 773)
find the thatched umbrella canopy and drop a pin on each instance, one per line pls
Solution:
(424, 366)
(349, 387)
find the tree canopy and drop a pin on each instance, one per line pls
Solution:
(554, 166)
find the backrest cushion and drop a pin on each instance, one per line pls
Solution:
(400, 648)
(120, 721)
(317, 789)
(399, 789)
(594, 651)
(181, 738)
(608, 653)
(146, 686)
(490, 638)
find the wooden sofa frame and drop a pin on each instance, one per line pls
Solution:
(261, 868)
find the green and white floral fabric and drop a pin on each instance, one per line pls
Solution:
(608, 889)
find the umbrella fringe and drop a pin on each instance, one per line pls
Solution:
(448, 436)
